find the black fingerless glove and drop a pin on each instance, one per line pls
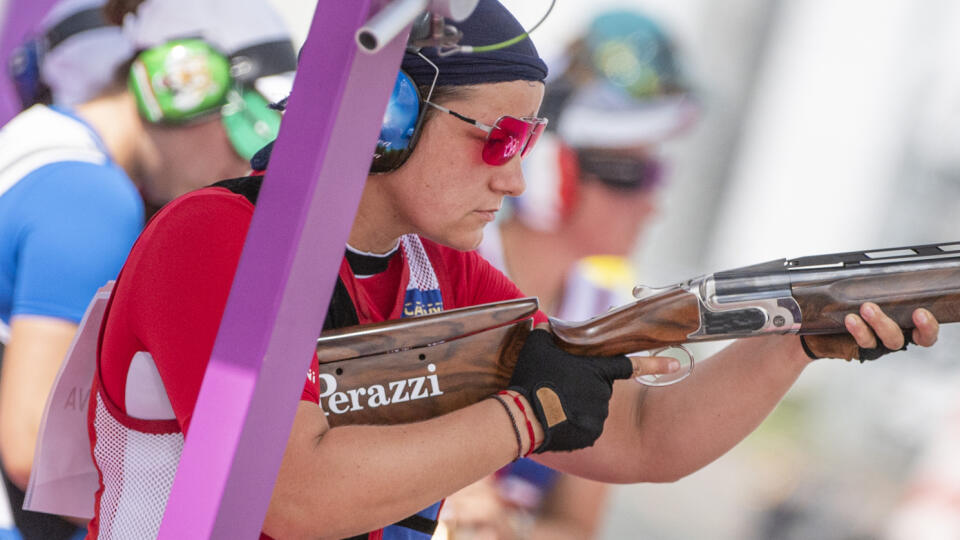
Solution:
(569, 393)
(881, 349)
(845, 347)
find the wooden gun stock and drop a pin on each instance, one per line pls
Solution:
(413, 369)
(659, 321)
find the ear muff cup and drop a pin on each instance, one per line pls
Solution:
(24, 70)
(249, 121)
(402, 123)
(179, 81)
(187, 79)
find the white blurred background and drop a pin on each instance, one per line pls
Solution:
(827, 126)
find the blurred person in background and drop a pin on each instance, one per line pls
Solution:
(144, 109)
(72, 58)
(591, 188)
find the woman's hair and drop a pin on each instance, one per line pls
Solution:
(498, 55)
(115, 10)
(442, 95)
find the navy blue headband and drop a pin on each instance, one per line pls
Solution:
(489, 23)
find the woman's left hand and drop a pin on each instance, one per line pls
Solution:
(873, 334)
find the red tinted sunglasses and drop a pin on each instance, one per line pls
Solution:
(507, 137)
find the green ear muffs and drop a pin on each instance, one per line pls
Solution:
(179, 81)
(186, 79)
(250, 122)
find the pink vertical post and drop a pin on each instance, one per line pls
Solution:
(19, 19)
(284, 280)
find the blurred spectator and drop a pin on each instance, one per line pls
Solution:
(592, 186)
(73, 58)
(187, 104)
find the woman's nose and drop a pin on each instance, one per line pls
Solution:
(509, 179)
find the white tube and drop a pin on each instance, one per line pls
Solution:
(388, 23)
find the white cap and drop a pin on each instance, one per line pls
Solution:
(601, 115)
(82, 65)
(228, 25)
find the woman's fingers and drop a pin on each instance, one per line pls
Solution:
(860, 331)
(873, 327)
(885, 328)
(653, 365)
(927, 328)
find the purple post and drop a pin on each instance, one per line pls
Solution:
(284, 280)
(19, 19)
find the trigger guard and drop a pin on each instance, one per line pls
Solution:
(656, 352)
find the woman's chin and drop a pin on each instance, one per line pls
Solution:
(461, 242)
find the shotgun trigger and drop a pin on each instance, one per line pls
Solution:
(678, 352)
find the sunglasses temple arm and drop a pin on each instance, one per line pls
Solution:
(459, 116)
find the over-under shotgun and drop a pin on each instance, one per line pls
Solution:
(412, 369)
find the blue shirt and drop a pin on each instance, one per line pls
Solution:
(65, 230)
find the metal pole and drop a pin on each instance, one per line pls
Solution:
(286, 274)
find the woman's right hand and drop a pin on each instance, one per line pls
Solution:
(570, 393)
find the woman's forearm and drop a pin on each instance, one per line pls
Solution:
(30, 365)
(662, 434)
(355, 479)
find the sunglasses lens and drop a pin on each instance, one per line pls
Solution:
(622, 172)
(652, 175)
(505, 141)
(537, 130)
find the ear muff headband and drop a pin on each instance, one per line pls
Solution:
(402, 123)
(179, 81)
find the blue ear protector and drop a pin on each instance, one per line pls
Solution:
(24, 69)
(25, 60)
(402, 119)
(401, 126)
(402, 122)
